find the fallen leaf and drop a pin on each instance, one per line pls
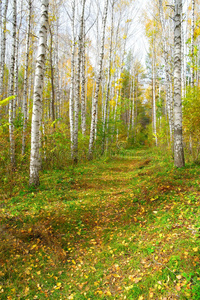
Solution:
(128, 287)
(136, 280)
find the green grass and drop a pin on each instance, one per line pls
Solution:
(126, 227)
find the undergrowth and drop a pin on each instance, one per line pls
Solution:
(124, 227)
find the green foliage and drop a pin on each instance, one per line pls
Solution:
(18, 121)
(124, 226)
(191, 121)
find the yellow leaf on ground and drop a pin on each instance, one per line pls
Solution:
(151, 295)
(138, 279)
(128, 287)
(131, 277)
(26, 290)
(108, 293)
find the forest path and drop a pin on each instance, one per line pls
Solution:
(124, 227)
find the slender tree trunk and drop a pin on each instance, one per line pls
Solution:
(26, 77)
(192, 45)
(94, 106)
(133, 105)
(35, 162)
(57, 76)
(109, 80)
(11, 85)
(154, 94)
(183, 68)
(1, 14)
(83, 98)
(136, 106)
(165, 50)
(16, 100)
(3, 48)
(72, 83)
(178, 140)
(171, 112)
(119, 90)
(52, 78)
(77, 95)
(96, 122)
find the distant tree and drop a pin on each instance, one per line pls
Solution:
(11, 84)
(3, 46)
(26, 77)
(78, 78)
(72, 79)
(99, 77)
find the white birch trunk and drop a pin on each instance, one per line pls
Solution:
(183, 68)
(11, 86)
(119, 76)
(133, 104)
(52, 78)
(109, 81)
(95, 102)
(71, 96)
(154, 95)
(165, 50)
(57, 76)
(77, 95)
(3, 48)
(171, 112)
(192, 45)
(96, 122)
(35, 162)
(178, 140)
(26, 78)
(16, 100)
(83, 80)
(1, 14)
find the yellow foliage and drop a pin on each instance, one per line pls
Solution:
(196, 32)
(5, 101)
(112, 103)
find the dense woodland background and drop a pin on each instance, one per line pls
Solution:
(99, 143)
(95, 94)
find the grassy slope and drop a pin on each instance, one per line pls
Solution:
(122, 228)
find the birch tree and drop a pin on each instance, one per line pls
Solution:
(192, 45)
(35, 162)
(26, 77)
(17, 46)
(11, 84)
(71, 96)
(167, 75)
(95, 100)
(77, 95)
(3, 47)
(154, 91)
(83, 80)
(178, 140)
(109, 79)
(57, 84)
(52, 77)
